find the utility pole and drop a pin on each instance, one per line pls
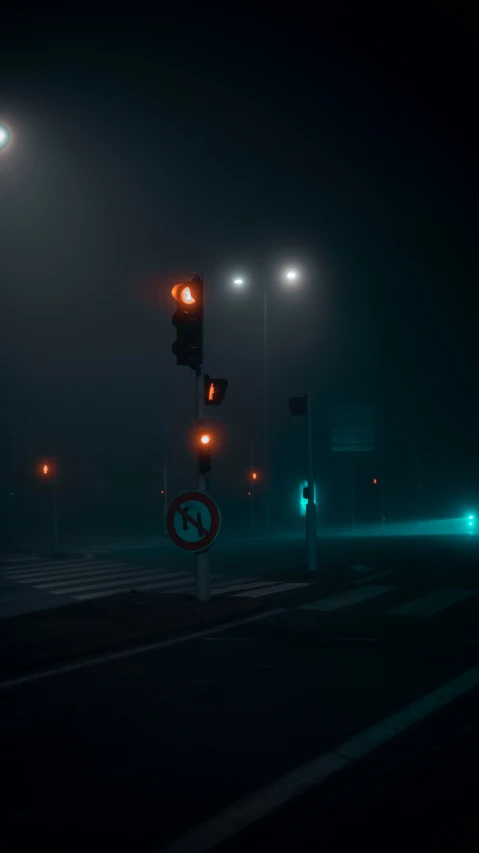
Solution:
(202, 558)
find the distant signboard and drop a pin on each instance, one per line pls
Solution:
(352, 429)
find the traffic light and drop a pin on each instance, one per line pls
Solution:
(204, 451)
(46, 469)
(375, 481)
(215, 390)
(188, 320)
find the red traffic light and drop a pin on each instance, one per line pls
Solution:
(215, 390)
(182, 292)
(46, 469)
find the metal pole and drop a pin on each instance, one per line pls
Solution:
(253, 493)
(14, 527)
(165, 480)
(266, 431)
(310, 506)
(54, 512)
(202, 559)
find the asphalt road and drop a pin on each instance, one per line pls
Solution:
(191, 744)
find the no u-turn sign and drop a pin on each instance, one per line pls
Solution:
(193, 521)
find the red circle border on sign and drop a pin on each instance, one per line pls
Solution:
(213, 508)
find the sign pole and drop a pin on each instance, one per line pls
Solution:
(310, 506)
(202, 559)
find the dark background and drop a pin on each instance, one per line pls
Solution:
(232, 140)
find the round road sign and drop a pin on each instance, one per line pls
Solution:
(193, 521)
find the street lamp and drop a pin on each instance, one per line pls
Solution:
(4, 136)
(291, 275)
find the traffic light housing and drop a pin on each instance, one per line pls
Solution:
(204, 451)
(298, 406)
(215, 390)
(188, 320)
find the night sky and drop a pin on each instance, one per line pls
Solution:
(235, 141)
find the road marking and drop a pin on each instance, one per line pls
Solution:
(19, 559)
(262, 802)
(235, 587)
(433, 603)
(79, 583)
(109, 657)
(280, 587)
(139, 588)
(67, 572)
(29, 569)
(347, 599)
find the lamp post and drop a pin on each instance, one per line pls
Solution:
(291, 276)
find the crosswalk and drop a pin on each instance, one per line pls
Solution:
(90, 577)
(415, 607)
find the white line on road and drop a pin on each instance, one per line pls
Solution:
(219, 589)
(427, 605)
(67, 572)
(116, 579)
(140, 587)
(32, 568)
(264, 801)
(270, 590)
(346, 599)
(109, 657)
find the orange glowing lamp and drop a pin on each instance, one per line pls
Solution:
(205, 438)
(375, 481)
(182, 293)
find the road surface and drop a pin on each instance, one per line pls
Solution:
(189, 744)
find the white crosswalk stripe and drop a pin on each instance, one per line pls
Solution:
(91, 577)
(67, 571)
(95, 570)
(271, 590)
(177, 584)
(30, 568)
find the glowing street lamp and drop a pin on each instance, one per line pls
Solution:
(291, 275)
(4, 136)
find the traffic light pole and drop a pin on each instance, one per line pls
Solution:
(310, 506)
(165, 479)
(265, 425)
(55, 538)
(202, 559)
